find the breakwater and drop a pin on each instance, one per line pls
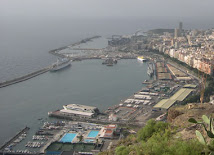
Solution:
(14, 138)
(25, 77)
(55, 51)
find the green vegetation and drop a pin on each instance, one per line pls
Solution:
(156, 138)
(151, 128)
(208, 127)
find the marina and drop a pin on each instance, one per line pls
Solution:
(15, 140)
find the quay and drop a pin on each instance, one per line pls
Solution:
(25, 77)
(58, 115)
(14, 138)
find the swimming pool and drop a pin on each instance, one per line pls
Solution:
(93, 133)
(89, 140)
(68, 137)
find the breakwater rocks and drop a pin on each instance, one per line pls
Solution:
(25, 77)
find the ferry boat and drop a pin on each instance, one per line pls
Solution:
(141, 58)
(60, 64)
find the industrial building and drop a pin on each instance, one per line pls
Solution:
(179, 96)
(164, 104)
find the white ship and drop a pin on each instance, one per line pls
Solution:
(141, 58)
(60, 64)
(150, 70)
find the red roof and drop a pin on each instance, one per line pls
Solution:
(108, 131)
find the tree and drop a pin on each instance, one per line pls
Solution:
(151, 127)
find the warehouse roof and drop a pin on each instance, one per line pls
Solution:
(164, 76)
(181, 94)
(178, 96)
(165, 104)
(161, 70)
(76, 112)
(189, 86)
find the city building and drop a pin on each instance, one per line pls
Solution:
(176, 33)
(107, 132)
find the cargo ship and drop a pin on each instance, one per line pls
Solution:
(141, 58)
(109, 62)
(60, 64)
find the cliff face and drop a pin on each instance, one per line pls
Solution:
(179, 116)
(172, 114)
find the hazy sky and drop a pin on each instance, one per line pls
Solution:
(107, 8)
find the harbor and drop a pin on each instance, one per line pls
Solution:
(87, 124)
(77, 86)
(157, 86)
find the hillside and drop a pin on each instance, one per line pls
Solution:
(178, 116)
(175, 137)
